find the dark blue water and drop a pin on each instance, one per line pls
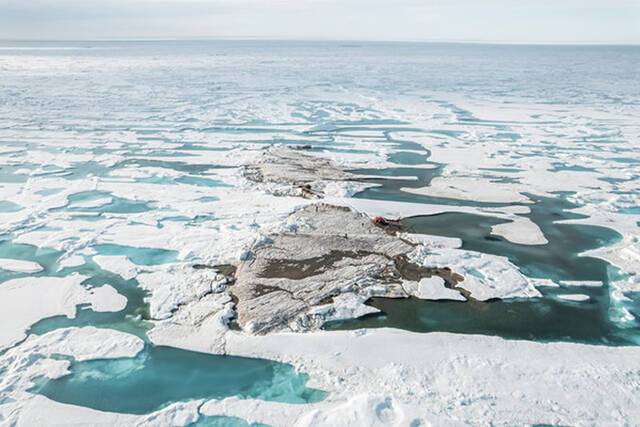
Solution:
(540, 319)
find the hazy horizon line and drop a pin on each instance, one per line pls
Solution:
(336, 40)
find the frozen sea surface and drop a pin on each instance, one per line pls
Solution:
(132, 151)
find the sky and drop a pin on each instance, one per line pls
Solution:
(504, 21)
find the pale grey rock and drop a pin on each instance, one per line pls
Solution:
(326, 261)
(297, 281)
(295, 173)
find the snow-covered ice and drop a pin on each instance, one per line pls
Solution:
(20, 266)
(433, 288)
(130, 163)
(27, 300)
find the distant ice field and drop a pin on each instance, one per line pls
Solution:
(121, 166)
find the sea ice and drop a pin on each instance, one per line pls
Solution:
(27, 300)
(574, 297)
(468, 378)
(20, 266)
(433, 288)
(485, 276)
(72, 261)
(118, 264)
(586, 283)
(175, 286)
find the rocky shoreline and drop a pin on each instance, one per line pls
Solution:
(324, 269)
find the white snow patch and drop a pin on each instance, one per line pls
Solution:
(574, 297)
(345, 306)
(434, 242)
(118, 264)
(544, 283)
(432, 288)
(343, 188)
(587, 283)
(178, 285)
(473, 188)
(20, 266)
(33, 358)
(97, 203)
(485, 276)
(199, 325)
(521, 231)
(107, 299)
(397, 378)
(72, 261)
(27, 300)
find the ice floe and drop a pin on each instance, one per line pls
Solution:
(25, 301)
(586, 283)
(176, 286)
(574, 297)
(118, 264)
(433, 288)
(473, 189)
(20, 266)
(485, 276)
